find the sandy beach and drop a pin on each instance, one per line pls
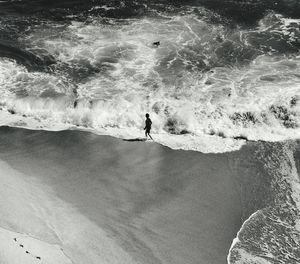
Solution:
(215, 83)
(151, 203)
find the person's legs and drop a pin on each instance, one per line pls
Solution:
(148, 133)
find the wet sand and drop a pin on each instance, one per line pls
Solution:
(159, 205)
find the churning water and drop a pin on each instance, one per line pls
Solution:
(95, 67)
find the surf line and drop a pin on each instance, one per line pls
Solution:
(236, 239)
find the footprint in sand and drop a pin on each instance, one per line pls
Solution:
(27, 252)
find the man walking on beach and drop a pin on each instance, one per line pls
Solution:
(148, 126)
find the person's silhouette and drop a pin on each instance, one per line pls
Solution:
(148, 126)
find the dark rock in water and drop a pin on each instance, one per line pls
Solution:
(157, 43)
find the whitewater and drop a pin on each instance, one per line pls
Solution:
(225, 79)
(207, 87)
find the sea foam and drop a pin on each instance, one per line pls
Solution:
(204, 83)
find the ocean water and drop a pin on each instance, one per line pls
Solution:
(225, 72)
(221, 77)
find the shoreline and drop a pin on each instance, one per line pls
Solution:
(149, 198)
(236, 239)
(201, 143)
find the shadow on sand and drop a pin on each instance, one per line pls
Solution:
(135, 139)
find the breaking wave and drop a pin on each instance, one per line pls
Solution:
(209, 80)
(222, 74)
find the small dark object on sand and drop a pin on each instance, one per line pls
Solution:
(15, 239)
(21, 245)
(135, 139)
(38, 257)
(157, 43)
(27, 252)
